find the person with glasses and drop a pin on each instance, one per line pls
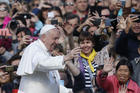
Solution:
(69, 6)
(81, 9)
(4, 14)
(105, 13)
(35, 4)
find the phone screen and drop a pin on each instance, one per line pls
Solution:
(9, 68)
(50, 15)
(107, 22)
(123, 3)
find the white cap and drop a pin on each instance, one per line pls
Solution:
(46, 28)
(5, 1)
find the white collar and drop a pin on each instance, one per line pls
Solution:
(43, 45)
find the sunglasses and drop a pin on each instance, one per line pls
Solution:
(3, 9)
(106, 15)
(69, 4)
(35, 5)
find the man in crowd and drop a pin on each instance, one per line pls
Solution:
(38, 68)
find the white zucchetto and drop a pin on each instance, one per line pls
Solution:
(46, 28)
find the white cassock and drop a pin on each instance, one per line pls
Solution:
(39, 70)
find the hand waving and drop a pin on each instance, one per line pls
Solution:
(108, 66)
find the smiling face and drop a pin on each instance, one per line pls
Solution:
(3, 11)
(136, 27)
(123, 74)
(86, 42)
(51, 38)
(81, 5)
(92, 30)
(86, 46)
(69, 6)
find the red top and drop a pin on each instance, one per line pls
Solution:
(111, 84)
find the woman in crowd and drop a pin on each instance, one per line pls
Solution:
(87, 59)
(122, 78)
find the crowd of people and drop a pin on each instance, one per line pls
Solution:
(69, 46)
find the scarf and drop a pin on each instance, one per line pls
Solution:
(89, 58)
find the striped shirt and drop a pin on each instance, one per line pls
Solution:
(88, 73)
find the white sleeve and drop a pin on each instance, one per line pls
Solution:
(48, 62)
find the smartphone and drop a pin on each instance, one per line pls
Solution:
(123, 3)
(50, 15)
(114, 23)
(54, 22)
(10, 68)
(107, 22)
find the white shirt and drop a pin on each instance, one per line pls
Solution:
(39, 70)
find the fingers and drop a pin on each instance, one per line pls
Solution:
(2, 50)
(75, 52)
(123, 89)
(26, 39)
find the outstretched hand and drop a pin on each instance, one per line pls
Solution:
(73, 54)
(108, 66)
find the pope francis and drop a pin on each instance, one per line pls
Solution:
(38, 68)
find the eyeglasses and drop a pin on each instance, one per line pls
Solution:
(106, 15)
(69, 4)
(3, 9)
(35, 5)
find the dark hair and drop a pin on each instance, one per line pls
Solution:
(69, 16)
(59, 47)
(76, 0)
(125, 61)
(7, 6)
(54, 8)
(40, 14)
(13, 58)
(85, 35)
(21, 19)
(25, 30)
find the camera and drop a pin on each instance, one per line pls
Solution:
(26, 15)
(97, 22)
(13, 24)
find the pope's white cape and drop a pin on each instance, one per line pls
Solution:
(36, 57)
(39, 70)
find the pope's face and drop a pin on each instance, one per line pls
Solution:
(51, 39)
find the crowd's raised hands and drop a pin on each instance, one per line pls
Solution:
(108, 66)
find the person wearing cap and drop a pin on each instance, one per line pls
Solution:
(38, 68)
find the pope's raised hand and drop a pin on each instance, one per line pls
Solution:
(73, 53)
